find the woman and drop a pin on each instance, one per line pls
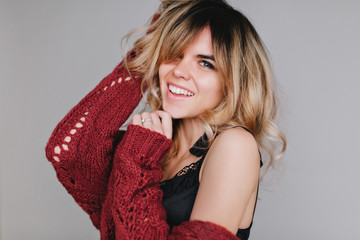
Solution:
(190, 169)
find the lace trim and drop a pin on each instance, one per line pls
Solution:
(199, 150)
(186, 169)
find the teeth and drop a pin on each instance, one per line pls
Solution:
(176, 90)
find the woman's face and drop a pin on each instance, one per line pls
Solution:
(191, 83)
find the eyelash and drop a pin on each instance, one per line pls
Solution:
(209, 65)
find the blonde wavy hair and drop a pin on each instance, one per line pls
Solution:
(241, 59)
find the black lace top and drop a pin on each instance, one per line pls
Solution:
(180, 191)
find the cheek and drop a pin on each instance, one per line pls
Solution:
(220, 92)
(161, 79)
(164, 69)
(215, 90)
(161, 71)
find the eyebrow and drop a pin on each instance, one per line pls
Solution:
(211, 57)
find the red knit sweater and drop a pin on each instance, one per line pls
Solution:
(113, 176)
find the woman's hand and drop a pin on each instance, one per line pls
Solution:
(158, 121)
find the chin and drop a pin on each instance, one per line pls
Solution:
(175, 113)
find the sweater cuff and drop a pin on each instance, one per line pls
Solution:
(147, 147)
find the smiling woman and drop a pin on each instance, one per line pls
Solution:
(189, 169)
(191, 84)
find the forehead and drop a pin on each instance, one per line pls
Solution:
(202, 43)
(183, 39)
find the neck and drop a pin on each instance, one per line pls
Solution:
(190, 130)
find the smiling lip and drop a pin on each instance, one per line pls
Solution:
(177, 96)
(178, 86)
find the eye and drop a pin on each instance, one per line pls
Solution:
(206, 64)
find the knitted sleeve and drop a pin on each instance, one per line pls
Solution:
(136, 197)
(81, 146)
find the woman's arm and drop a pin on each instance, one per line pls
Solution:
(229, 180)
(82, 144)
(137, 199)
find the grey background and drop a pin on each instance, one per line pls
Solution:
(54, 52)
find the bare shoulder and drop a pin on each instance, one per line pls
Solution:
(234, 147)
(235, 137)
(228, 180)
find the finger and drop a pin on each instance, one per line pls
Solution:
(156, 119)
(147, 124)
(157, 123)
(136, 120)
(166, 121)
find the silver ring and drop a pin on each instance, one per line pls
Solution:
(146, 120)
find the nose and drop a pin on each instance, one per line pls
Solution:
(181, 69)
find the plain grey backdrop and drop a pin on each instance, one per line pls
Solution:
(52, 53)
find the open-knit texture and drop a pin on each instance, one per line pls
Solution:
(115, 177)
